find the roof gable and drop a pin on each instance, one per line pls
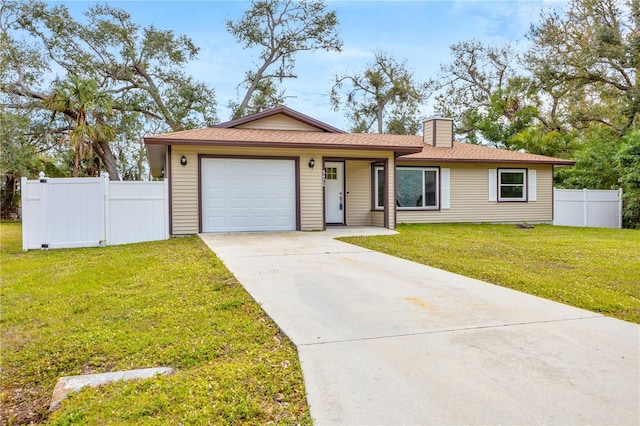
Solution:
(279, 118)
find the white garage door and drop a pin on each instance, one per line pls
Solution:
(248, 195)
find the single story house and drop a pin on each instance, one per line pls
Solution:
(282, 170)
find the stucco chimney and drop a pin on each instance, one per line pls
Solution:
(438, 131)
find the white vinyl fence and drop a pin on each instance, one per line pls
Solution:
(89, 212)
(587, 207)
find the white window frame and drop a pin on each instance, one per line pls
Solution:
(331, 173)
(437, 171)
(524, 184)
(376, 198)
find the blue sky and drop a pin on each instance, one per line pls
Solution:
(418, 31)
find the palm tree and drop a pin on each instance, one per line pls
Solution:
(82, 101)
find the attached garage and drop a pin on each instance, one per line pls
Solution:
(240, 194)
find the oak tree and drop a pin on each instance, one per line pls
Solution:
(280, 29)
(140, 69)
(384, 97)
(594, 48)
(482, 90)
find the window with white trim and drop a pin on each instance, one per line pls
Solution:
(379, 177)
(416, 188)
(512, 184)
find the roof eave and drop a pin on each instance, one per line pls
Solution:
(155, 154)
(492, 160)
(405, 150)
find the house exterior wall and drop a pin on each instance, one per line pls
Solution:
(278, 122)
(469, 193)
(184, 182)
(184, 192)
(377, 219)
(358, 196)
(469, 197)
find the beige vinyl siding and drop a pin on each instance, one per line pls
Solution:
(278, 122)
(470, 198)
(358, 199)
(444, 133)
(427, 132)
(184, 194)
(311, 193)
(377, 219)
(184, 183)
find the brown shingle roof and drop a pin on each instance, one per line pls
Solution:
(469, 153)
(214, 136)
(412, 146)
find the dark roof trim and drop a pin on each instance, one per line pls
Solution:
(402, 149)
(487, 160)
(284, 111)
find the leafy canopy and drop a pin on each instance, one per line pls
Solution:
(384, 96)
(279, 29)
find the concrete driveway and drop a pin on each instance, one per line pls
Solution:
(387, 341)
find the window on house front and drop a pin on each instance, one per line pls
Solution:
(512, 185)
(416, 187)
(379, 188)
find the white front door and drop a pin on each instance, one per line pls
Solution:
(334, 192)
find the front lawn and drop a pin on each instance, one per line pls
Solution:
(594, 269)
(168, 303)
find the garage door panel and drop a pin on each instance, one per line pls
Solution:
(248, 195)
(262, 184)
(263, 203)
(236, 203)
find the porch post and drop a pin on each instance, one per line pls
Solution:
(387, 204)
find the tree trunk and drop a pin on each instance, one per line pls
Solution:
(379, 114)
(76, 162)
(247, 97)
(252, 88)
(108, 159)
(9, 204)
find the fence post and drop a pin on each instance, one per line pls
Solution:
(620, 208)
(23, 204)
(585, 206)
(43, 212)
(107, 209)
(166, 207)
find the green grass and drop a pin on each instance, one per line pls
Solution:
(167, 303)
(594, 269)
